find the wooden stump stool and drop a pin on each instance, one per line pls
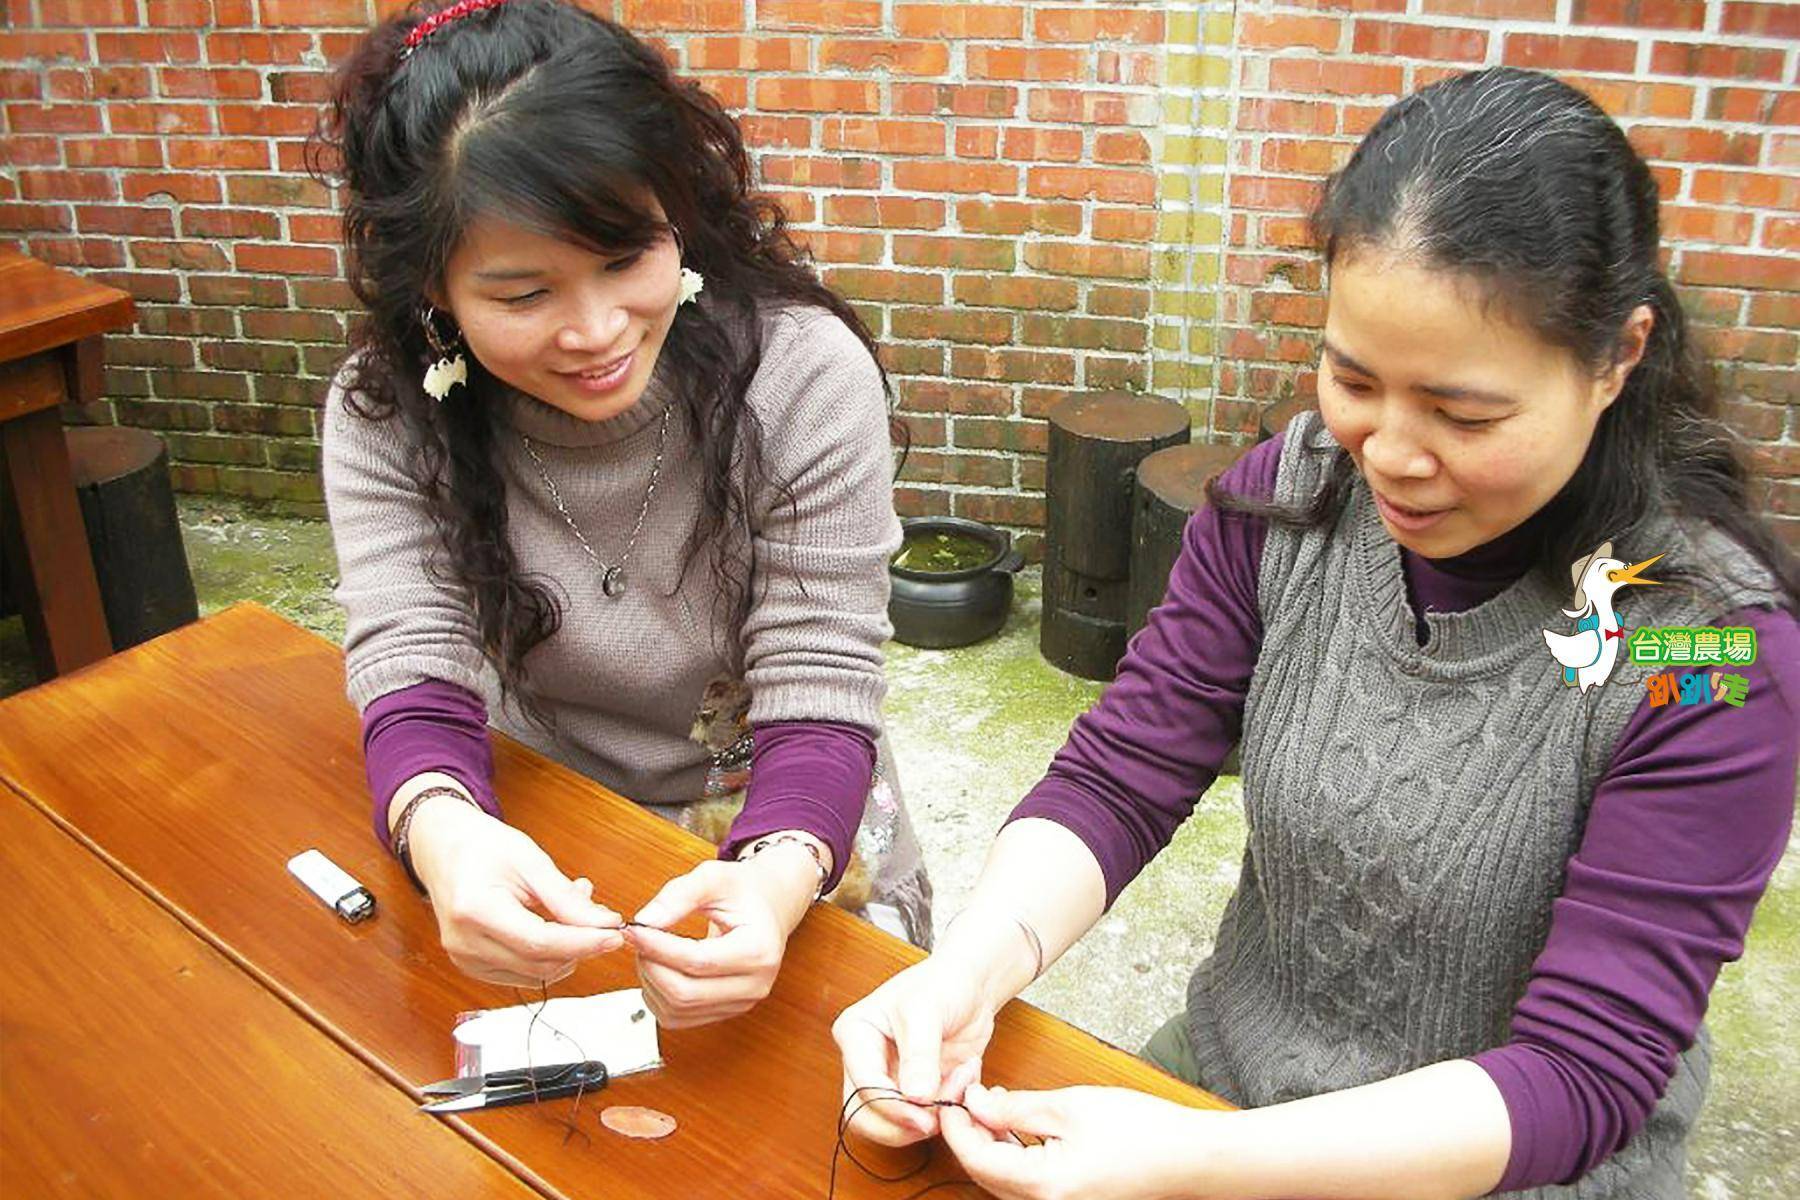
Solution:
(1274, 418)
(1171, 487)
(122, 480)
(1096, 442)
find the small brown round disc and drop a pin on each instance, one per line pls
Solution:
(635, 1122)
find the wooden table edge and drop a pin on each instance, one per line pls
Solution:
(93, 309)
(286, 995)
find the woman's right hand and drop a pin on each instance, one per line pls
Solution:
(505, 913)
(921, 1034)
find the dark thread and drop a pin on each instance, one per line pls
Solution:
(570, 1128)
(846, 1115)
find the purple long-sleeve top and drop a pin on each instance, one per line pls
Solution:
(1687, 824)
(805, 775)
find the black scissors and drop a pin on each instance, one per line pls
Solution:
(514, 1087)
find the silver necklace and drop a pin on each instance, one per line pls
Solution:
(612, 579)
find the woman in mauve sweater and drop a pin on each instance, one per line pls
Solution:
(607, 456)
(1480, 907)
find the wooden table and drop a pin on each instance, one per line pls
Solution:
(50, 327)
(140, 1060)
(194, 766)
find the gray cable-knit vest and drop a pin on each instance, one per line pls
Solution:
(1411, 810)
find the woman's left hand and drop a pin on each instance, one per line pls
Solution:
(750, 907)
(1099, 1143)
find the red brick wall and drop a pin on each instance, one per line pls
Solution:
(978, 178)
(157, 144)
(1023, 199)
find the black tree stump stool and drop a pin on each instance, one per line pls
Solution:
(1274, 418)
(122, 480)
(1097, 441)
(1171, 487)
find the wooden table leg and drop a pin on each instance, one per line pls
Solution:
(40, 521)
(84, 371)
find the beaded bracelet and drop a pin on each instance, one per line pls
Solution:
(775, 839)
(401, 839)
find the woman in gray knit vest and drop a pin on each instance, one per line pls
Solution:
(1498, 848)
(608, 456)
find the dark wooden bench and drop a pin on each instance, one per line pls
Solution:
(51, 322)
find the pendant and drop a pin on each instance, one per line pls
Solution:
(613, 582)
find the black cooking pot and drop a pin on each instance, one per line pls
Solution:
(940, 609)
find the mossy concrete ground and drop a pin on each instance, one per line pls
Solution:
(974, 728)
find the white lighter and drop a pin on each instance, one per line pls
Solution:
(331, 884)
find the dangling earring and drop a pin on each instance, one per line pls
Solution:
(691, 284)
(692, 281)
(450, 368)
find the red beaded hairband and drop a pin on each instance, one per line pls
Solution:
(438, 20)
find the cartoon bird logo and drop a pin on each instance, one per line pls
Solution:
(1589, 654)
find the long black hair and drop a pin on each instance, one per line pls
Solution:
(1523, 185)
(550, 117)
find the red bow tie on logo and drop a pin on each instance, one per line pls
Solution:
(1618, 633)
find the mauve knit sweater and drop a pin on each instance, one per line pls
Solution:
(624, 677)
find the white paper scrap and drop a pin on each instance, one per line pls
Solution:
(615, 1028)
